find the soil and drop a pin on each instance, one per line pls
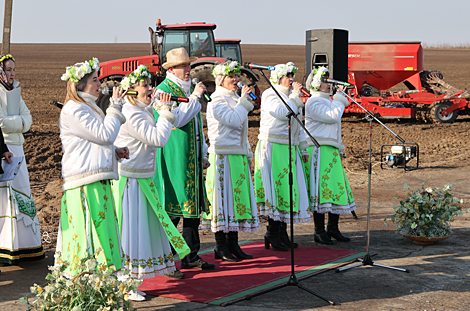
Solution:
(439, 273)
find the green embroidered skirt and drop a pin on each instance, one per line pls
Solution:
(272, 183)
(328, 184)
(88, 222)
(146, 229)
(230, 192)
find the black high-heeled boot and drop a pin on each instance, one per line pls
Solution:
(285, 237)
(221, 250)
(333, 230)
(320, 235)
(234, 248)
(272, 237)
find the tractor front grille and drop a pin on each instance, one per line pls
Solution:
(129, 66)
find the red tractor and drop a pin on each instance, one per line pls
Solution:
(376, 67)
(196, 38)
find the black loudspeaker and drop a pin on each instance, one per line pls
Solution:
(329, 48)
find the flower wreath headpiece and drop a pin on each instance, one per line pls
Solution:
(7, 56)
(281, 70)
(137, 75)
(226, 69)
(318, 75)
(79, 70)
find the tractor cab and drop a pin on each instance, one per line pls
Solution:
(229, 49)
(196, 38)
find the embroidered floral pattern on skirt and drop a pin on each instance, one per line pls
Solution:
(328, 184)
(272, 183)
(230, 192)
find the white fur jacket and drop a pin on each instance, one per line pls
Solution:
(227, 123)
(88, 142)
(274, 125)
(323, 118)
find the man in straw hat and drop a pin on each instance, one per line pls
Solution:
(181, 162)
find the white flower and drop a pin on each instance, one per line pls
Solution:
(227, 68)
(317, 78)
(429, 190)
(79, 70)
(122, 277)
(414, 225)
(65, 76)
(85, 68)
(232, 65)
(91, 264)
(281, 70)
(125, 83)
(406, 186)
(447, 187)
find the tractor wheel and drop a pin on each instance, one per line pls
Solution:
(103, 100)
(204, 74)
(437, 108)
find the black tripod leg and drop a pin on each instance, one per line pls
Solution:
(332, 303)
(367, 261)
(292, 282)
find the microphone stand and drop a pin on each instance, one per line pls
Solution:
(367, 259)
(292, 279)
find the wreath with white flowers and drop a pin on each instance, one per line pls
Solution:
(282, 70)
(226, 69)
(79, 70)
(317, 78)
(137, 75)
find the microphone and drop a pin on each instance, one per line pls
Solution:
(109, 91)
(305, 92)
(206, 96)
(173, 98)
(253, 96)
(259, 67)
(56, 103)
(338, 82)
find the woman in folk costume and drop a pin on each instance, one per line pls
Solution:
(88, 217)
(20, 235)
(272, 158)
(228, 179)
(328, 185)
(146, 229)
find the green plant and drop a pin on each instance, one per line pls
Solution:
(427, 212)
(96, 287)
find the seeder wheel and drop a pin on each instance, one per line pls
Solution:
(438, 117)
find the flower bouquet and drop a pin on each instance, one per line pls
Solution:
(96, 287)
(427, 213)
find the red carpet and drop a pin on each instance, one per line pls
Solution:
(231, 281)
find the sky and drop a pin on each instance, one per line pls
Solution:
(253, 21)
